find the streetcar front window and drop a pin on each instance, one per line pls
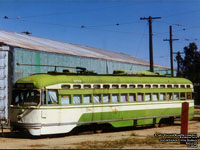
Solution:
(26, 97)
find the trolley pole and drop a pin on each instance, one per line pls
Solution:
(150, 40)
(171, 49)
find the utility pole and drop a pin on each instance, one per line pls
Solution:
(171, 49)
(150, 39)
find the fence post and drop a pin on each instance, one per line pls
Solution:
(184, 119)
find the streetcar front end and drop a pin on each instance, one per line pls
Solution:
(23, 110)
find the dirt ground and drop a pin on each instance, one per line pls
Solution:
(126, 138)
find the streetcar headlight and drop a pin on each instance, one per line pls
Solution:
(19, 117)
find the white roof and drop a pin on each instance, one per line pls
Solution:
(47, 45)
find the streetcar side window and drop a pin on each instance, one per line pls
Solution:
(106, 86)
(124, 98)
(115, 86)
(65, 99)
(65, 86)
(132, 97)
(148, 97)
(162, 86)
(76, 86)
(52, 97)
(123, 86)
(97, 99)
(155, 86)
(140, 97)
(176, 96)
(169, 86)
(115, 98)
(147, 86)
(188, 86)
(132, 86)
(96, 86)
(76, 99)
(175, 85)
(87, 99)
(169, 96)
(140, 86)
(189, 95)
(182, 96)
(87, 86)
(155, 97)
(106, 98)
(182, 86)
(162, 96)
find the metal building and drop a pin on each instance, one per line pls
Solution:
(26, 49)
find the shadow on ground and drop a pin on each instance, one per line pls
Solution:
(80, 130)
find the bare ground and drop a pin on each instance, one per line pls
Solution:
(124, 138)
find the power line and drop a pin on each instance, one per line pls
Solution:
(41, 22)
(71, 26)
(107, 30)
(181, 13)
(116, 24)
(103, 25)
(139, 44)
(71, 12)
(175, 24)
(160, 33)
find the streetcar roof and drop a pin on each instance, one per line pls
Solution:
(43, 80)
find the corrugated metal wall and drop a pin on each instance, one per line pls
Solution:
(24, 56)
(4, 84)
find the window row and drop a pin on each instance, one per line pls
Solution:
(123, 86)
(66, 99)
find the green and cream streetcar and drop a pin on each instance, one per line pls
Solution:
(55, 102)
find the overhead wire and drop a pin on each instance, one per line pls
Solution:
(181, 13)
(80, 11)
(95, 27)
(71, 26)
(116, 24)
(139, 44)
(175, 24)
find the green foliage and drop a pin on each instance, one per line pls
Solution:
(190, 65)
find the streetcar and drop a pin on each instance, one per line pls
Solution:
(58, 102)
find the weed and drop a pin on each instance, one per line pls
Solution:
(133, 134)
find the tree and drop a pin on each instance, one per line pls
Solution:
(190, 65)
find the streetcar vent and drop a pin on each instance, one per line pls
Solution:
(119, 72)
(67, 71)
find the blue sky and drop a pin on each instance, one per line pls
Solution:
(62, 20)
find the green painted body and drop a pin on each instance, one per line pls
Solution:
(125, 115)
